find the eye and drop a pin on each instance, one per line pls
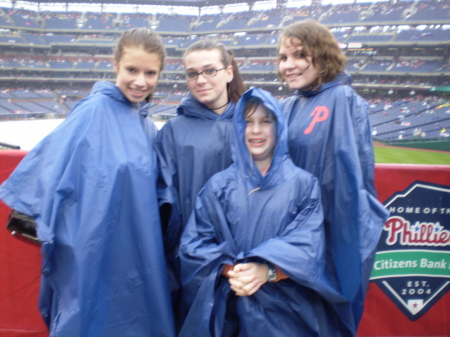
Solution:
(191, 75)
(151, 73)
(299, 55)
(282, 58)
(131, 70)
(209, 72)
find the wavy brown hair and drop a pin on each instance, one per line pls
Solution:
(317, 42)
(236, 87)
(143, 38)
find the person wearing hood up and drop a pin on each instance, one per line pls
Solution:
(330, 136)
(90, 186)
(252, 253)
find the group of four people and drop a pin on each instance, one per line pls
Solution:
(240, 217)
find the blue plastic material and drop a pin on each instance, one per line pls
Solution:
(330, 136)
(192, 147)
(241, 215)
(91, 186)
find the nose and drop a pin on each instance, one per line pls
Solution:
(201, 78)
(289, 63)
(140, 80)
(256, 128)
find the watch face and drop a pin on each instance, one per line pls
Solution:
(272, 274)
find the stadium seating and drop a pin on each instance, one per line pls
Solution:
(74, 49)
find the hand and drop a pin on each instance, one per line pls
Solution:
(246, 278)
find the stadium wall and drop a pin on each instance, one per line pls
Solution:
(441, 145)
(400, 301)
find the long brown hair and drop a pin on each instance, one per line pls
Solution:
(143, 38)
(236, 87)
(319, 43)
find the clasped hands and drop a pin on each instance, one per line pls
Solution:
(246, 278)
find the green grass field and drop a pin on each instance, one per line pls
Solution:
(395, 155)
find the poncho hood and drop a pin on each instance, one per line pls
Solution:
(343, 78)
(111, 90)
(190, 107)
(241, 155)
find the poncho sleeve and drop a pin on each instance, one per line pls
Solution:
(168, 200)
(206, 244)
(363, 136)
(47, 168)
(299, 251)
(167, 185)
(165, 148)
(355, 215)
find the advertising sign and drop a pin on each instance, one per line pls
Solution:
(412, 265)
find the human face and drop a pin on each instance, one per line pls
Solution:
(260, 136)
(137, 73)
(211, 91)
(295, 67)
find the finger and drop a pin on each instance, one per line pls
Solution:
(246, 279)
(243, 267)
(252, 287)
(236, 283)
(248, 291)
(239, 291)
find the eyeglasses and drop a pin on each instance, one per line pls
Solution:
(206, 73)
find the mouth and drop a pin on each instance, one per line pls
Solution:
(256, 142)
(293, 76)
(138, 92)
(203, 91)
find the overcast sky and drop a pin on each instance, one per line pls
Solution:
(262, 5)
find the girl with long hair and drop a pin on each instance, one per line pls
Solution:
(90, 186)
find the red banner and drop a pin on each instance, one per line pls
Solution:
(387, 313)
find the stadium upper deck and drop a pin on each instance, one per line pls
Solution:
(393, 50)
(366, 15)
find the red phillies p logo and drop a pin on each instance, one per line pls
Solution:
(320, 114)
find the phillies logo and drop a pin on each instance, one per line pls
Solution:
(420, 234)
(319, 114)
(412, 264)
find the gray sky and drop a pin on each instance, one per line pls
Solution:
(261, 5)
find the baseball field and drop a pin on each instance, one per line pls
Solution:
(399, 155)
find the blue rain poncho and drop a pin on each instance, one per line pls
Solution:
(91, 187)
(241, 216)
(330, 136)
(192, 147)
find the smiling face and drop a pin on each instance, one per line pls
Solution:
(211, 91)
(295, 67)
(137, 73)
(260, 136)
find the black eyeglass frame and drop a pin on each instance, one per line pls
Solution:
(198, 74)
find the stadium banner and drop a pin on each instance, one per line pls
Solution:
(408, 293)
(20, 265)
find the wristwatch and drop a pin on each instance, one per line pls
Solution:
(272, 273)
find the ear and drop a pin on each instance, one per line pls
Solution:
(229, 72)
(116, 67)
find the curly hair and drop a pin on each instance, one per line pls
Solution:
(318, 43)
